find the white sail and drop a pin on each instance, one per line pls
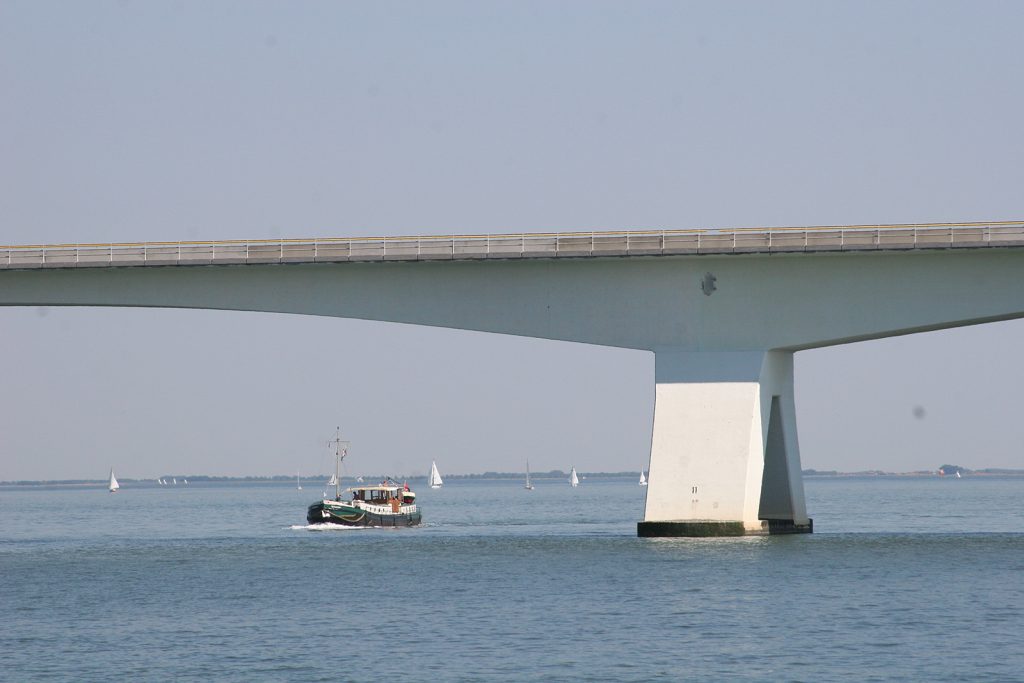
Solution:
(435, 480)
(113, 481)
(184, 481)
(174, 480)
(643, 479)
(298, 484)
(333, 481)
(528, 486)
(574, 481)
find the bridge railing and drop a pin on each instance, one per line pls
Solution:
(517, 246)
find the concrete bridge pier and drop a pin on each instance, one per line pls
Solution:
(724, 454)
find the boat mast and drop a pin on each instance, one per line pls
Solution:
(339, 455)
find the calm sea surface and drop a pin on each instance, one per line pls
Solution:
(905, 579)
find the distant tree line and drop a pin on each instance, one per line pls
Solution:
(949, 470)
(198, 478)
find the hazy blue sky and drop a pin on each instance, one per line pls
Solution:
(130, 121)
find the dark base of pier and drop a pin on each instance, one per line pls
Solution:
(706, 528)
(787, 526)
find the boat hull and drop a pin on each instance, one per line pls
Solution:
(347, 515)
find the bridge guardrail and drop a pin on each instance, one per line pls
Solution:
(517, 246)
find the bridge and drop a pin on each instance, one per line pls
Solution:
(723, 311)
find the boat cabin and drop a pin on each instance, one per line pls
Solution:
(382, 495)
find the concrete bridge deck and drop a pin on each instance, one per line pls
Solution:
(853, 238)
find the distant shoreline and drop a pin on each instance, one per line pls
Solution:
(485, 476)
(986, 472)
(312, 478)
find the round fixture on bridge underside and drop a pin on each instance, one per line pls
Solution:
(707, 285)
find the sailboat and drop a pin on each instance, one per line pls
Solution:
(333, 481)
(643, 479)
(174, 480)
(114, 486)
(298, 484)
(528, 486)
(574, 481)
(435, 480)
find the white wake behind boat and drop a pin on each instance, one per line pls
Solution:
(435, 480)
(113, 485)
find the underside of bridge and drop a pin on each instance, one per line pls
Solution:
(725, 458)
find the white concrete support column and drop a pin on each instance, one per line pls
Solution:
(724, 454)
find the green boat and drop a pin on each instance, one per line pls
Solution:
(388, 504)
(383, 505)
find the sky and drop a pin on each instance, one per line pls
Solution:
(135, 121)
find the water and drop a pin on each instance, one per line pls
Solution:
(905, 579)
